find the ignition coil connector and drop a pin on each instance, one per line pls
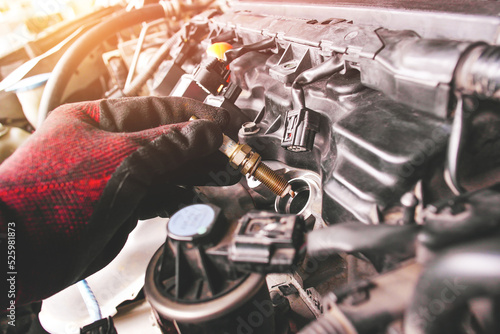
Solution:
(301, 127)
(267, 242)
(213, 76)
(249, 162)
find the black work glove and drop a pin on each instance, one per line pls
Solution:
(77, 187)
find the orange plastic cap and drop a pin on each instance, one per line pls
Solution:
(218, 49)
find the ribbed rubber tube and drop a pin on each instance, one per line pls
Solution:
(485, 73)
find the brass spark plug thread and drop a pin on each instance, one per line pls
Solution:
(243, 158)
(273, 181)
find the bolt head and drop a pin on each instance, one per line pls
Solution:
(240, 155)
(249, 128)
(409, 200)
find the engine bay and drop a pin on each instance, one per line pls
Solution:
(361, 194)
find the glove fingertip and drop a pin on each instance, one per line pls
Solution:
(204, 133)
(222, 118)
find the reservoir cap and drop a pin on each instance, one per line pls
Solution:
(194, 222)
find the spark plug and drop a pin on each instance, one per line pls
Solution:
(243, 158)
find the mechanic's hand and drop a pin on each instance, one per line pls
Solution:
(75, 188)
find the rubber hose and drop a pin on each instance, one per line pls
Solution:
(455, 147)
(485, 73)
(478, 71)
(232, 54)
(66, 66)
(448, 283)
(357, 237)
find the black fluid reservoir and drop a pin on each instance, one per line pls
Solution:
(190, 280)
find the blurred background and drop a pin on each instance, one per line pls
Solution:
(22, 21)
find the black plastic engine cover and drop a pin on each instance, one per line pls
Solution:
(383, 148)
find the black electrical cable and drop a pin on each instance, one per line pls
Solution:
(232, 54)
(66, 66)
(323, 70)
(224, 37)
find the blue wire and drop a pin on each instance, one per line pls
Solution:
(90, 300)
